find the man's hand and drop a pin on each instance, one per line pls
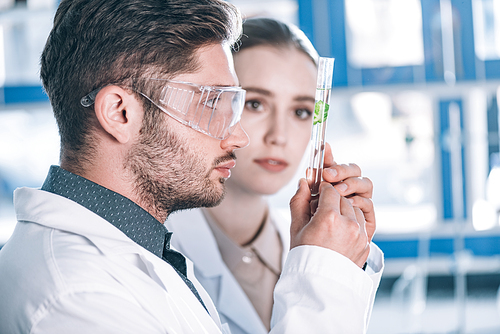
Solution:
(336, 224)
(349, 183)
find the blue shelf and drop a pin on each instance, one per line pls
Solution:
(22, 94)
(317, 16)
(478, 245)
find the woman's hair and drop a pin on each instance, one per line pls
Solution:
(270, 32)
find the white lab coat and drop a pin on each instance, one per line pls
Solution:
(67, 270)
(194, 238)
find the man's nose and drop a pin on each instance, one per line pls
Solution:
(238, 139)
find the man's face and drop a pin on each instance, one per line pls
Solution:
(176, 167)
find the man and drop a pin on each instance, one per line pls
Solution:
(147, 104)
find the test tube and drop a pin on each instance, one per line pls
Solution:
(321, 111)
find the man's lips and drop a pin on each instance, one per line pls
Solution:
(225, 168)
(272, 164)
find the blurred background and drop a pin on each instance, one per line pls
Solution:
(415, 104)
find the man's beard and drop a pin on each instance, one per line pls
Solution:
(169, 176)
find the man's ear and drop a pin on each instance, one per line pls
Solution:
(118, 112)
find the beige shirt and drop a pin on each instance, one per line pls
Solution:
(256, 266)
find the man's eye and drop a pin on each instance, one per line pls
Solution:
(212, 102)
(254, 105)
(303, 113)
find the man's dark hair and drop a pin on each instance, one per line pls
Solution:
(261, 31)
(94, 43)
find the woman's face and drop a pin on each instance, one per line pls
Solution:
(280, 85)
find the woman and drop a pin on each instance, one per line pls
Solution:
(276, 65)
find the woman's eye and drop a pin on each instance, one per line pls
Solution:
(254, 105)
(303, 113)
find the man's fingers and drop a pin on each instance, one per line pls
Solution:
(336, 224)
(358, 231)
(346, 208)
(328, 160)
(329, 198)
(299, 207)
(364, 242)
(360, 218)
(361, 186)
(366, 206)
(337, 173)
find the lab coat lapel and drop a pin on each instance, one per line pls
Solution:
(170, 301)
(198, 319)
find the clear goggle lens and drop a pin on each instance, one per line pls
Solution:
(212, 110)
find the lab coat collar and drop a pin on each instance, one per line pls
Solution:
(115, 208)
(57, 212)
(51, 210)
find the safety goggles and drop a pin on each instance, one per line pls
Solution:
(212, 110)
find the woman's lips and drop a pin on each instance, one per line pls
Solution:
(225, 168)
(272, 164)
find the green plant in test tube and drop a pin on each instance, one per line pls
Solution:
(321, 111)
